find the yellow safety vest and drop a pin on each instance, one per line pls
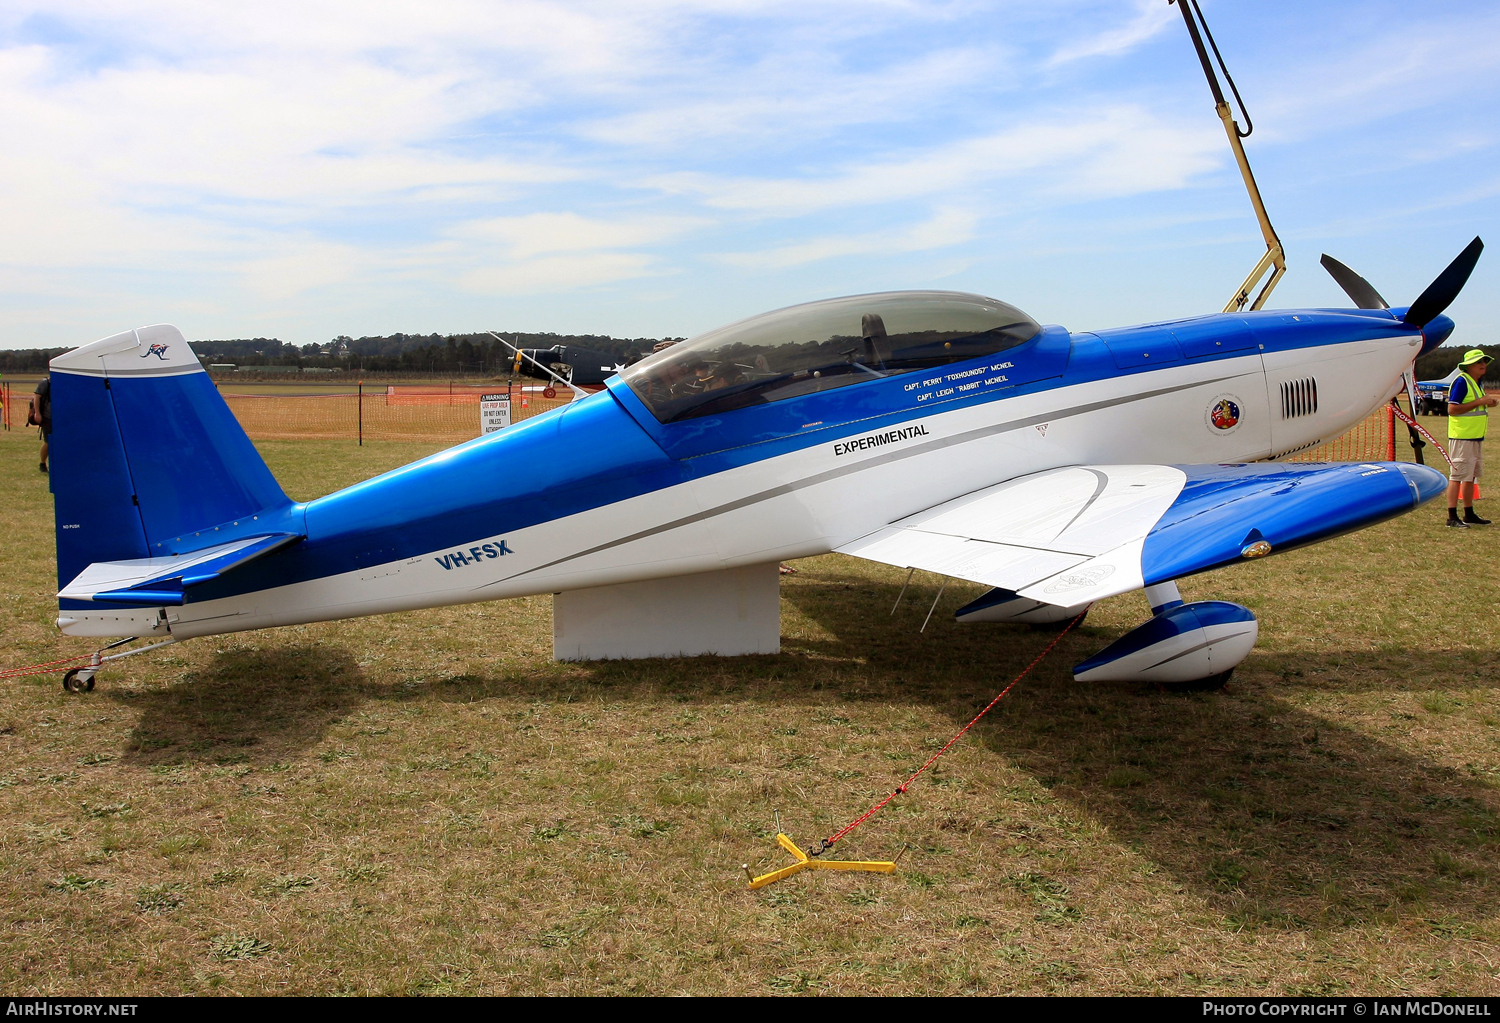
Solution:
(1469, 425)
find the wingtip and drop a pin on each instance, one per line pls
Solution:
(1426, 481)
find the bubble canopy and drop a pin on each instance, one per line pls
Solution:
(820, 346)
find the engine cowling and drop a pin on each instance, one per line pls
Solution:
(1186, 643)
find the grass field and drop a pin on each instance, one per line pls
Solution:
(427, 804)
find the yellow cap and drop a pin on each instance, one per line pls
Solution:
(1474, 355)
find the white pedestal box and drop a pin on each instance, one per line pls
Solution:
(737, 611)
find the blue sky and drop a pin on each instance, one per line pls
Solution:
(303, 170)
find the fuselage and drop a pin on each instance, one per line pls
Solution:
(601, 492)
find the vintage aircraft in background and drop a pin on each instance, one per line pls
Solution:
(922, 429)
(572, 365)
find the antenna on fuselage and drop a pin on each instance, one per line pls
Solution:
(1275, 259)
(578, 392)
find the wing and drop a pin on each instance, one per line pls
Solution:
(1082, 533)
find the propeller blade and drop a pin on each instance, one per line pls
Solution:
(1355, 286)
(1441, 292)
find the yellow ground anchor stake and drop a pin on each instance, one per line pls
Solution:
(806, 862)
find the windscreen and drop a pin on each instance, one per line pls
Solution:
(819, 346)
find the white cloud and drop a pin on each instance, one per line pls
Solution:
(551, 252)
(1072, 155)
(1151, 17)
(559, 273)
(945, 228)
(1451, 61)
(304, 264)
(309, 165)
(534, 233)
(810, 93)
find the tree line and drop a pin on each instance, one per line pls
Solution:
(1439, 362)
(476, 353)
(393, 353)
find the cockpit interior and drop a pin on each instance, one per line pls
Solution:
(820, 346)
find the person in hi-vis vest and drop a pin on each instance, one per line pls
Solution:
(1468, 418)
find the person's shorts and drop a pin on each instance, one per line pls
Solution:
(1468, 459)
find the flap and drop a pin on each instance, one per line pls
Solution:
(1031, 529)
(150, 580)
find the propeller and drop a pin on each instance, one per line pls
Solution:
(1423, 312)
(1442, 291)
(1356, 287)
(1429, 305)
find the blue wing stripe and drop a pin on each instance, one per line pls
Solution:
(1224, 508)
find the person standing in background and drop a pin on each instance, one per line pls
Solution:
(1468, 420)
(42, 410)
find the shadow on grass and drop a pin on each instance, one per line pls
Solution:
(1275, 815)
(248, 706)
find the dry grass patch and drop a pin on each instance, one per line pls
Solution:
(426, 804)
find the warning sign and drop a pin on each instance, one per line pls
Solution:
(494, 413)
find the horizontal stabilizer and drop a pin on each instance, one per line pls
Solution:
(164, 580)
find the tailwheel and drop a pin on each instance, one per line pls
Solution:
(79, 680)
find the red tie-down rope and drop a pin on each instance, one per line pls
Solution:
(42, 669)
(1409, 421)
(95, 659)
(872, 811)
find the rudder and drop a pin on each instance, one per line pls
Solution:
(145, 453)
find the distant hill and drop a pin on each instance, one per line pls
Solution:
(21, 360)
(478, 353)
(426, 353)
(1439, 362)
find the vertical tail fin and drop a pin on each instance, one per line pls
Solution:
(145, 453)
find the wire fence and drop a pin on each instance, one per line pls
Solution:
(1373, 439)
(437, 413)
(449, 413)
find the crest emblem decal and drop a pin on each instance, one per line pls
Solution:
(1083, 577)
(1223, 414)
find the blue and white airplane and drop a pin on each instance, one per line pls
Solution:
(922, 429)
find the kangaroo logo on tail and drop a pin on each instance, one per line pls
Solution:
(160, 351)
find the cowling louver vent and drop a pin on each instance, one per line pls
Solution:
(1299, 398)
